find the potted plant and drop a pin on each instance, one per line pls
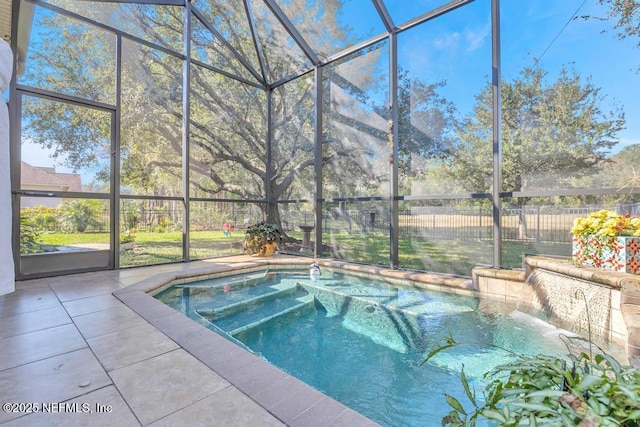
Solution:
(608, 240)
(262, 239)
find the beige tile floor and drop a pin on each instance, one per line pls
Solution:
(78, 355)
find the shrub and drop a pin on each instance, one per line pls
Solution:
(29, 236)
(127, 237)
(78, 215)
(44, 218)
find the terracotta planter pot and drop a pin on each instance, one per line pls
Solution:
(267, 249)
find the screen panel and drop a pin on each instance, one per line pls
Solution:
(218, 227)
(567, 109)
(70, 57)
(356, 231)
(445, 105)
(228, 152)
(150, 232)
(151, 122)
(64, 147)
(64, 235)
(445, 236)
(356, 151)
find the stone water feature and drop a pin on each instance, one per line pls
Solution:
(581, 299)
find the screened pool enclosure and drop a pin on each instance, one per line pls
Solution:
(428, 135)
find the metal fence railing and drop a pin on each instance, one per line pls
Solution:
(548, 224)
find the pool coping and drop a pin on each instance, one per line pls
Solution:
(287, 398)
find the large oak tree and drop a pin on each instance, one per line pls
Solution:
(229, 153)
(554, 132)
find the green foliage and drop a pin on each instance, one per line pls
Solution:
(553, 131)
(130, 218)
(29, 236)
(163, 225)
(622, 172)
(127, 237)
(67, 239)
(260, 234)
(552, 391)
(43, 218)
(78, 215)
(626, 17)
(426, 121)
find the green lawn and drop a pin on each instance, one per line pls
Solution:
(156, 248)
(446, 256)
(67, 239)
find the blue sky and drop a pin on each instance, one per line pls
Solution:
(457, 48)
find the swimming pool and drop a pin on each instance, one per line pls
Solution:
(360, 340)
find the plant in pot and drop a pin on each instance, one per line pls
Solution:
(609, 240)
(262, 239)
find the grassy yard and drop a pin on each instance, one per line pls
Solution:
(156, 248)
(69, 239)
(446, 256)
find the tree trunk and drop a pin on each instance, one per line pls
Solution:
(272, 216)
(523, 232)
(522, 225)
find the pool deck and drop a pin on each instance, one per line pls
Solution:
(95, 349)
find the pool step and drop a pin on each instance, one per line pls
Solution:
(223, 283)
(224, 296)
(274, 292)
(374, 315)
(240, 315)
(306, 302)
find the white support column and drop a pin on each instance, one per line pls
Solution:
(7, 272)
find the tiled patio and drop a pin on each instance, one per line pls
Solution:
(69, 340)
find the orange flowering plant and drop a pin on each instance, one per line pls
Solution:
(607, 239)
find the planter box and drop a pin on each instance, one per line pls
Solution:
(611, 253)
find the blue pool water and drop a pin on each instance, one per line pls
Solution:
(361, 341)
